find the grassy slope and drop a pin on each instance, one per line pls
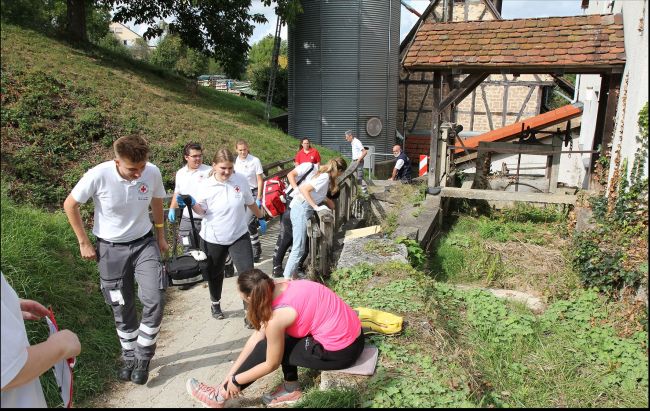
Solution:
(134, 96)
(40, 256)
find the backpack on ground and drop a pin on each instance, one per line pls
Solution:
(377, 321)
(191, 267)
(273, 197)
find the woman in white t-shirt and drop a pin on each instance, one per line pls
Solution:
(313, 191)
(222, 200)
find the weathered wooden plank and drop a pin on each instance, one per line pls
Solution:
(432, 179)
(555, 164)
(472, 111)
(492, 195)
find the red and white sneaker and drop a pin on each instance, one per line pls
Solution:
(280, 396)
(205, 394)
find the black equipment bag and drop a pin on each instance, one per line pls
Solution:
(185, 269)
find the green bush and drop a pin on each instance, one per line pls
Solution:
(260, 78)
(416, 255)
(599, 259)
(613, 256)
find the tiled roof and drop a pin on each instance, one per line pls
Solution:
(585, 43)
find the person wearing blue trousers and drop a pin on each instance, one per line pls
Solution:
(313, 191)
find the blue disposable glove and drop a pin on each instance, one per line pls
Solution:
(262, 226)
(259, 203)
(171, 215)
(181, 202)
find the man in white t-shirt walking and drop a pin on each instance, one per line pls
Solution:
(187, 181)
(358, 154)
(250, 167)
(126, 252)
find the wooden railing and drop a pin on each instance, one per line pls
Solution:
(322, 226)
(281, 165)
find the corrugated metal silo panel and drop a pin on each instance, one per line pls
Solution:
(349, 75)
(377, 41)
(340, 36)
(304, 76)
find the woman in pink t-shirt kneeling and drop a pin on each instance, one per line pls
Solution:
(298, 323)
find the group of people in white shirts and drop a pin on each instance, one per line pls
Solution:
(225, 197)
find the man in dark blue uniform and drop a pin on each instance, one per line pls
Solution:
(402, 169)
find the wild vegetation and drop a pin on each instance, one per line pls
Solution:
(613, 255)
(468, 348)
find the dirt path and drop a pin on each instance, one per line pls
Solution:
(193, 344)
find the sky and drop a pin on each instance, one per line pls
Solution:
(512, 9)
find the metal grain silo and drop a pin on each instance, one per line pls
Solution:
(343, 72)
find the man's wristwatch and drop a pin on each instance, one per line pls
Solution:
(234, 381)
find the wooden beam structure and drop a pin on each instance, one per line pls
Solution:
(493, 195)
(464, 89)
(435, 130)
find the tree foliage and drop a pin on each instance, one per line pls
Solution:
(261, 52)
(172, 54)
(260, 83)
(50, 16)
(259, 70)
(218, 28)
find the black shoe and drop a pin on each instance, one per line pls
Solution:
(140, 374)
(124, 373)
(277, 272)
(229, 271)
(216, 312)
(257, 259)
(248, 324)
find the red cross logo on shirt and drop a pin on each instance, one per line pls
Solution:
(237, 189)
(143, 188)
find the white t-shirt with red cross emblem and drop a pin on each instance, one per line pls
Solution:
(225, 212)
(121, 206)
(249, 167)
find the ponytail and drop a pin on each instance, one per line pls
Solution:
(337, 164)
(258, 287)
